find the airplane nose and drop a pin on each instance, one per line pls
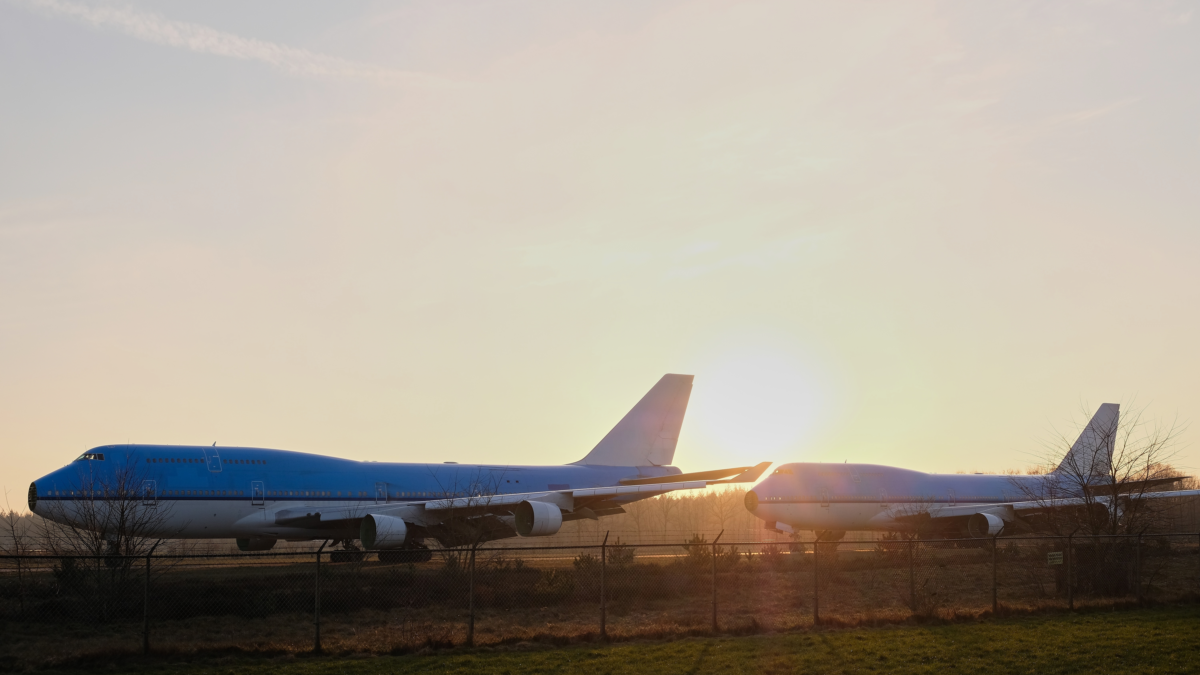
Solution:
(751, 501)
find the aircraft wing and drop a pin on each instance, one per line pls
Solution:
(434, 511)
(1009, 511)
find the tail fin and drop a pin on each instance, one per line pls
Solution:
(647, 435)
(1091, 455)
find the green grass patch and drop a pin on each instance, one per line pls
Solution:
(1153, 640)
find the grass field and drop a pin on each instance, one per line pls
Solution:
(1153, 640)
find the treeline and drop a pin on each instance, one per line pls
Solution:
(674, 518)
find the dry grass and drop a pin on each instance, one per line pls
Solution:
(662, 598)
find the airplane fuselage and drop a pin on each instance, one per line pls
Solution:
(234, 492)
(870, 497)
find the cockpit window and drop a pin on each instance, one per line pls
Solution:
(98, 456)
(781, 472)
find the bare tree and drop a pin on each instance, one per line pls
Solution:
(666, 506)
(112, 513)
(18, 539)
(723, 505)
(107, 521)
(1101, 483)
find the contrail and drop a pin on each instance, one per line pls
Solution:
(199, 38)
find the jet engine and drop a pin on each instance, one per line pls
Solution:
(383, 532)
(255, 544)
(984, 525)
(537, 519)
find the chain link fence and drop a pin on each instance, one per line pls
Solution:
(58, 608)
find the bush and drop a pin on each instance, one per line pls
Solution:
(554, 587)
(699, 552)
(620, 555)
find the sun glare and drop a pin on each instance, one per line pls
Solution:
(760, 402)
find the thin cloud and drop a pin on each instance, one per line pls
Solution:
(1082, 116)
(203, 39)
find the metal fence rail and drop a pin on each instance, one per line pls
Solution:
(54, 607)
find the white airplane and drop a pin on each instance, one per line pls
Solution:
(259, 496)
(831, 499)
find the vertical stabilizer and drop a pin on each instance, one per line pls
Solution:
(647, 435)
(1091, 455)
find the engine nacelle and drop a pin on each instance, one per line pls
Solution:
(383, 532)
(984, 525)
(537, 519)
(255, 544)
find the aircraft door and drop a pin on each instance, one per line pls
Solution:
(257, 493)
(213, 459)
(149, 493)
(953, 497)
(381, 493)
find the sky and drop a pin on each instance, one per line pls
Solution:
(927, 234)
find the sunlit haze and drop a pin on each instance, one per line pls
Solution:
(921, 234)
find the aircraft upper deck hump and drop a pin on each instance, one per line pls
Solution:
(648, 433)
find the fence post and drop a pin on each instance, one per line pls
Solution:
(1070, 564)
(21, 587)
(146, 609)
(317, 602)
(995, 602)
(816, 593)
(912, 585)
(1137, 566)
(603, 592)
(146, 604)
(714, 580)
(471, 594)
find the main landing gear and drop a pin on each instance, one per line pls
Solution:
(350, 552)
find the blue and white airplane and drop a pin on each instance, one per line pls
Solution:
(831, 499)
(259, 496)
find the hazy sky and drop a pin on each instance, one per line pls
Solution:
(923, 234)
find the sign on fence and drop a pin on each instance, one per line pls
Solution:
(1054, 558)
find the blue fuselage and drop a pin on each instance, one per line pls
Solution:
(231, 491)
